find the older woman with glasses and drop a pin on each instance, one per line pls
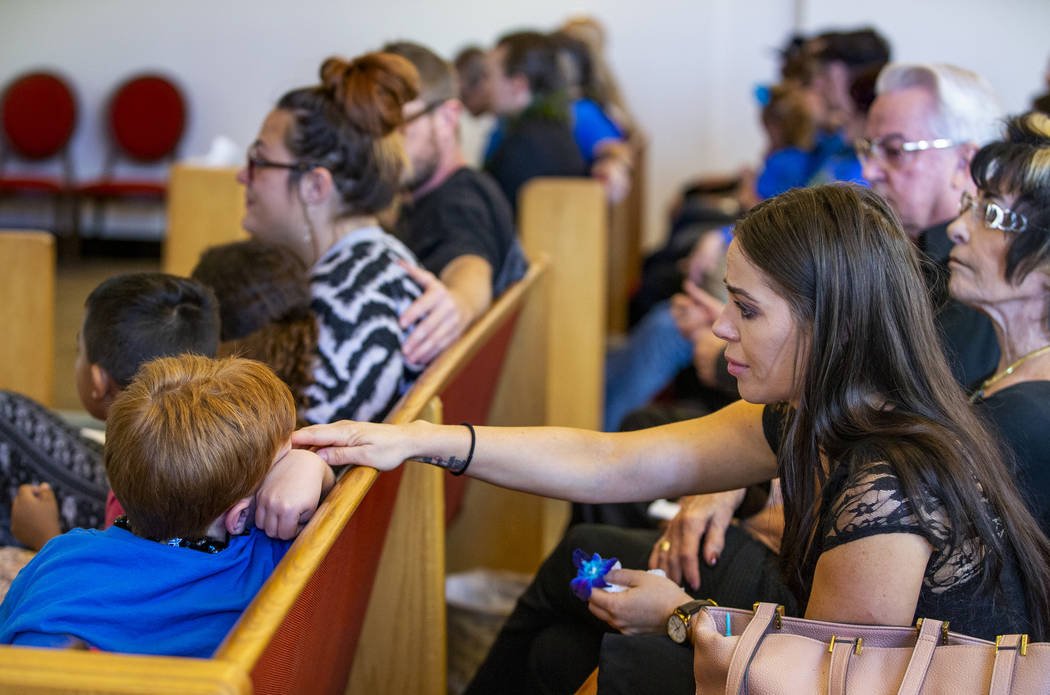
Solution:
(326, 161)
(1001, 266)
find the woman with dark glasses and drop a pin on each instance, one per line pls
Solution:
(326, 161)
(1001, 266)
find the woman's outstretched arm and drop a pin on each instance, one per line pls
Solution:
(721, 451)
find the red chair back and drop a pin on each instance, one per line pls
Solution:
(39, 115)
(147, 116)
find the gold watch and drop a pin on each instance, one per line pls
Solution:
(678, 622)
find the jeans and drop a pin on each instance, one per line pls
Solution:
(643, 366)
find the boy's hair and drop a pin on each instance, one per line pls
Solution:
(189, 437)
(134, 318)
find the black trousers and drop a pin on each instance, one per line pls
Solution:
(551, 642)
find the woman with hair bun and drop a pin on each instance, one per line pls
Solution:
(328, 159)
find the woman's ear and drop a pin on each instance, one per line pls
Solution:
(316, 186)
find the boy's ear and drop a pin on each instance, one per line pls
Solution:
(103, 387)
(236, 518)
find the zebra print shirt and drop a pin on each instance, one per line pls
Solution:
(358, 293)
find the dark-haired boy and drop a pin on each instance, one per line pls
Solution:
(49, 469)
(188, 445)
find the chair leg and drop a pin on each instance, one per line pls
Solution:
(67, 224)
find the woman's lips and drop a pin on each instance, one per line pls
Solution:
(735, 368)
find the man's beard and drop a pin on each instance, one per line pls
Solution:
(420, 175)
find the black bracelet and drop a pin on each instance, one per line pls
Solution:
(470, 456)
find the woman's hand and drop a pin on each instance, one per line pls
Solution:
(701, 517)
(291, 492)
(382, 447)
(645, 605)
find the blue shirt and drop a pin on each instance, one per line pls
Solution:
(119, 592)
(590, 126)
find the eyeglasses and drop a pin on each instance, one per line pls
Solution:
(260, 163)
(891, 149)
(429, 108)
(995, 217)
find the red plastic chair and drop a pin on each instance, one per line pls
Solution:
(147, 117)
(39, 115)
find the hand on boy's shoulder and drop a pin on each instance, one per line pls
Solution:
(291, 492)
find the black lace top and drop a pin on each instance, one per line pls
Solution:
(865, 498)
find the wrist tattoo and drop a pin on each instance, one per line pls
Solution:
(453, 464)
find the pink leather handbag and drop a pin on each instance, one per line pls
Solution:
(764, 653)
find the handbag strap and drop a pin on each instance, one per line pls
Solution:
(1006, 652)
(747, 645)
(921, 656)
(841, 653)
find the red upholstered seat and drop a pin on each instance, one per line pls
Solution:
(469, 397)
(16, 184)
(125, 188)
(302, 657)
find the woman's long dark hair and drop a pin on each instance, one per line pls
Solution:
(264, 303)
(874, 379)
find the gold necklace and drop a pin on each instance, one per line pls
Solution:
(1008, 371)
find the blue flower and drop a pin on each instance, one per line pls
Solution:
(590, 573)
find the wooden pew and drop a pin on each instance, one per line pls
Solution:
(205, 207)
(27, 312)
(560, 343)
(463, 379)
(626, 223)
(302, 634)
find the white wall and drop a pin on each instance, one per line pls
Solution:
(688, 68)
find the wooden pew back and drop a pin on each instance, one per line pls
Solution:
(205, 207)
(626, 224)
(337, 570)
(27, 313)
(371, 561)
(560, 345)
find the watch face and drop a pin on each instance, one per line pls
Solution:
(677, 629)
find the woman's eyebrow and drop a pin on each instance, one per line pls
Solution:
(738, 292)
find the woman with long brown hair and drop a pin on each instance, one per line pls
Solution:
(897, 502)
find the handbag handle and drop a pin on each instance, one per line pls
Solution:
(929, 634)
(747, 645)
(1006, 649)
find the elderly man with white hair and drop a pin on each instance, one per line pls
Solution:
(924, 127)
